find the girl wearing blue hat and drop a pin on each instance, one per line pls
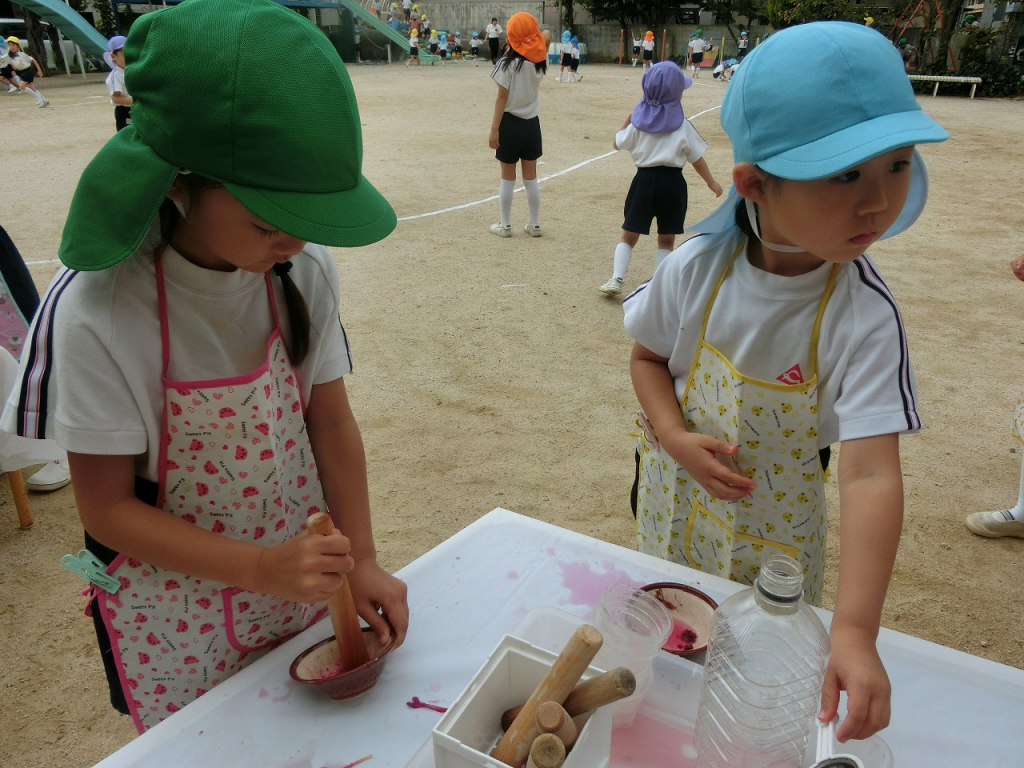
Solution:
(772, 335)
(661, 141)
(191, 361)
(119, 95)
(565, 57)
(574, 72)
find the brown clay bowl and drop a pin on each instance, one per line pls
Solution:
(691, 612)
(319, 667)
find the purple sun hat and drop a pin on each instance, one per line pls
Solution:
(660, 110)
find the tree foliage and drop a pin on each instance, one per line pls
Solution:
(788, 13)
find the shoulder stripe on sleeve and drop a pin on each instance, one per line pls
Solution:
(870, 277)
(34, 393)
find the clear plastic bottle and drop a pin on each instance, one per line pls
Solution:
(763, 672)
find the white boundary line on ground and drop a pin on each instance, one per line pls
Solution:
(541, 180)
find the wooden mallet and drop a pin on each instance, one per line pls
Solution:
(602, 689)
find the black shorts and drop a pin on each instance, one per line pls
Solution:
(518, 139)
(741, 53)
(7, 72)
(27, 75)
(636, 50)
(575, 64)
(648, 55)
(122, 116)
(696, 58)
(413, 51)
(433, 48)
(658, 193)
(443, 53)
(566, 59)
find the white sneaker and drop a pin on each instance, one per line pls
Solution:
(558, 77)
(533, 230)
(612, 288)
(43, 103)
(50, 477)
(501, 231)
(13, 89)
(993, 525)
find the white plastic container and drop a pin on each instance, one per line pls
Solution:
(469, 730)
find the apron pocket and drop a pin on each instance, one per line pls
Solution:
(716, 546)
(254, 621)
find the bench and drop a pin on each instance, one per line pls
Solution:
(937, 79)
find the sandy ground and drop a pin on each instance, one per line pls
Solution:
(492, 373)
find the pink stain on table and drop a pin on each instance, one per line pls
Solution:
(653, 743)
(586, 586)
(417, 704)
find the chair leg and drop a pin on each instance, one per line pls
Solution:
(20, 494)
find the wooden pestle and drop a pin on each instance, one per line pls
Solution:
(351, 646)
(552, 718)
(547, 751)
(556, 685)
(602, 689)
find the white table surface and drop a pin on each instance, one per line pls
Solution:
(949, 708)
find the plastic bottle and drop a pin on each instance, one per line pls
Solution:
(763, 672)
(634, 626)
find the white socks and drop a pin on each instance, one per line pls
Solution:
(505, 201)
(532, 201)
(623, 253)
(1018, 510)
(660, 256)
(36, 95)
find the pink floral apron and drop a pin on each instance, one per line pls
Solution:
(236, 461)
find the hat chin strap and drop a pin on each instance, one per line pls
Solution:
(752, 217)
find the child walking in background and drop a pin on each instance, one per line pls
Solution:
(1005, 522)
(637, 44)
(26, 68)
(565, 57)
(191, 358)
(574, 51)
(661, 141)
(772, 336)
(119, 95)
(515, 128)
(474, 45)
(414, 47)
(648, 46)
(697, 46)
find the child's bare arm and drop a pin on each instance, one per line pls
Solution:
(695, 452)
(1017, 265)
(499, 109)
(121, 100)
(701, 167)
(871, 517)
(629, 119)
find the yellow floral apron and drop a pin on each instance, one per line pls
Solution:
(776, 426)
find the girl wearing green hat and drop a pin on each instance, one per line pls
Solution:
(191, 358)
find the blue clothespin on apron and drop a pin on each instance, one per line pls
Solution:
(86, 565)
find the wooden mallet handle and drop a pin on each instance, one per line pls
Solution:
(547, 751)
(602, 689)
(351, 646)
(556, 685)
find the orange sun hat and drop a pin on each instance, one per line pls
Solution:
(523, 34)
(649, 35)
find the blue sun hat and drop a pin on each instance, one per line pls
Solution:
(114, 44)
(660, 111)
(566, 36)
(853, 104)
(574, 40)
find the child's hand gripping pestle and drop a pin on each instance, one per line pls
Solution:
(605, 688)
(547, 751)
(556, 686)
(351, 646)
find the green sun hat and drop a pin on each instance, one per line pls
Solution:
(203, 102)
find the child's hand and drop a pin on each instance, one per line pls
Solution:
(697, 454)
(307, 569)
(1017, 265)
(492, 139)
(380, 599)
(855, 667)
(715, 187)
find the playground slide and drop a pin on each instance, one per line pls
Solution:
(361, 13)
(70, 24)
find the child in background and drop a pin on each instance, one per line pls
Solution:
(414, 48)
(26, 68)
(771, 336)
(697, 47)
(637, 44)
(474, 45)
(7, 76)
(661, 141)
(119, 95)
(442, 46)
(742, 44)
(565, 57)
(194, 360)
(1005, 522)
(515, 133)
(574, 51)
(457, 42)
(725, 70)
(433, 42)
(648, 45)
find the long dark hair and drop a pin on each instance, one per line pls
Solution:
(298, 312)
(510, 56)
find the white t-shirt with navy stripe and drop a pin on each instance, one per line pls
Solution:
(522, 79)
(90, 377)
(762, 323)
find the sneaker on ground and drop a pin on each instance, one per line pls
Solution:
(43, 103)
(501, 231)
(994, 525)
(533, 230)
(50, 477)
(613, 287)
(13, 89)
(579, 77)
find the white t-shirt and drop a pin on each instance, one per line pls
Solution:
(522, 80)
(20, 60)
(493, 30)
(102, 386)
(684, 145)
(762, 323)
(648, 45)
(637, 42)
(115, 82)
(697, 45)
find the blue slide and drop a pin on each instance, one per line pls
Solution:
(69, 22)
